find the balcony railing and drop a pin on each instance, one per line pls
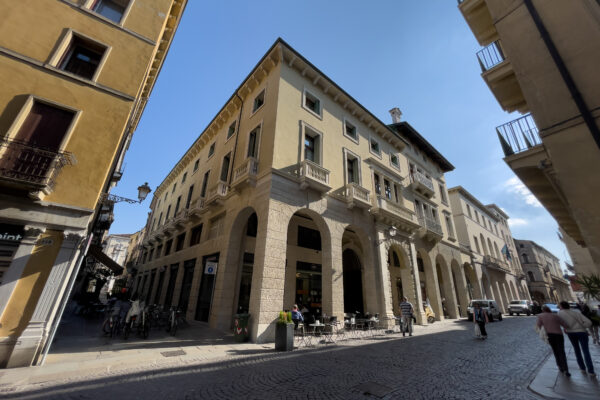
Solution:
(357, 195)
(422, 184)
(313, 175)
(431, 225)
(490, 56)
(216, 193)
(34, 167)
(423, 179)
(495, 263)
(247, 171)
(518, 135)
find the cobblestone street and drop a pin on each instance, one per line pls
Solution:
(448, 364)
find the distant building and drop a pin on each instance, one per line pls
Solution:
(541, 59)
(116, 247)
(484, 232)
(544, 275)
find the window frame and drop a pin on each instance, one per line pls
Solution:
(372, 139)
(358, 171)
(235, 126)
(63, 46)
(310, 93)
(228, 155)
(255, 109)
(89, 4)
(211, 150)
(196, 165)
(316, 133)
(344, 124)
(257, 142)
(397, 165)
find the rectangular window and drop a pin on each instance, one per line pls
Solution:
(388, 189)
(168, 247)
(225, 168)
(477, 216)
(82, 57)
(350, 131)
(253, 143)
(211, 150)
(442, 193)
(168, 212)
(177, 204)
(374, 147)
(396, 192)
(184, 177)
(231, 130)
(189, 196)
(258, 101)
(153, 223)
(377, 184)
(111, 9)
(394, 161)
(204, 183)
(160, 219)
(180, 242)
(159, 251)
(469, 211)
(174, 187)
(309, 238)
(476, 244)
(449, 225)
(352, 169)
(312, 103)
(312, 145)
(196, 164)
(196, 235)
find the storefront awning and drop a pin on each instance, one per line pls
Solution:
(97, 253)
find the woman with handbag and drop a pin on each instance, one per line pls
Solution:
(550, 324)
(480, 318)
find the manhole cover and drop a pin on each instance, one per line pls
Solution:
(173, 353)
(373, 388)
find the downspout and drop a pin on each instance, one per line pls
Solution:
(237, 136)
(564, 72)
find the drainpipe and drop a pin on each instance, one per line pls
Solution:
(564, 72)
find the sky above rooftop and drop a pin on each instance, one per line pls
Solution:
(418, 56)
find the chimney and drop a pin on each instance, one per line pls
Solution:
(396, 114)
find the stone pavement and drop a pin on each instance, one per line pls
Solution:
(554, 385)
(441, 361)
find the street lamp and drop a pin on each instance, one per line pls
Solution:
(143, 192)
(392, 231)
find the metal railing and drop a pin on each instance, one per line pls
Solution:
(490, 56)
(422, 179)
(431, 225)
(518, 135)
(30, 165)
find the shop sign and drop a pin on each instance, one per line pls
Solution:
(210, 268)
(11, 233)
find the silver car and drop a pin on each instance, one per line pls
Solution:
(520, 307)
(489, 306)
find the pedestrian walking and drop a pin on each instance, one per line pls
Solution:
(595, 318)
(551, 323)
(576, 330)
(406, 312)
(480, 318)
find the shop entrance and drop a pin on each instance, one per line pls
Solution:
(353, 288)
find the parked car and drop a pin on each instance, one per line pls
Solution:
(520, 307)
(553, 307)
(489, 306)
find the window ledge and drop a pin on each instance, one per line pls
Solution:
(319, 116)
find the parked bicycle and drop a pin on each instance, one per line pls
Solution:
(137, 320)
(176, 319)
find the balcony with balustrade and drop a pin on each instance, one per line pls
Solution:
(197, 208)
(217, 194)
(27, 168)
(313, 176)
(356, 196)
(422, 184)
(498, 73)
(394, 214)
(245, 174)
(430, 229)
(496, 264)
(527, 157)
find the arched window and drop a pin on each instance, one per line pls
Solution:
(525, 258)
(530, 275)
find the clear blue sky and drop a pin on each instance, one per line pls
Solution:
(415, 55)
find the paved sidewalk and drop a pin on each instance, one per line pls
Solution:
(81, 358)
(554, 385)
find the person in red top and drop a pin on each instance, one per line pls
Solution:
(552, 323)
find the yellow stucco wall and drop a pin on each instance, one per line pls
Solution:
(27, 292)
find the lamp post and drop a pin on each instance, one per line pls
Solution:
(143, 192)
(392, 231)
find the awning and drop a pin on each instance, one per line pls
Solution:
(97, 253)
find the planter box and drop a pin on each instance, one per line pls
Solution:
(284, 337)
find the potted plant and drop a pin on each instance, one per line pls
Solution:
(284, 332)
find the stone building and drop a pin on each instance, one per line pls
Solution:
(295, 193)
(540, 58)
(76, 75)
(544, 276)
(483, 231)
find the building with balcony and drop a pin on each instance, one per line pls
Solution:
(484, 233)
(296, 193)
(71, 97)
(540, 58)
(545, 277)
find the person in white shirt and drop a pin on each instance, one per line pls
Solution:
(577, 326)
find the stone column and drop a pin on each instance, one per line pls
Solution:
(382, 277)
(461, 285)
(333, 273)
(418, 304)
(449, 291)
